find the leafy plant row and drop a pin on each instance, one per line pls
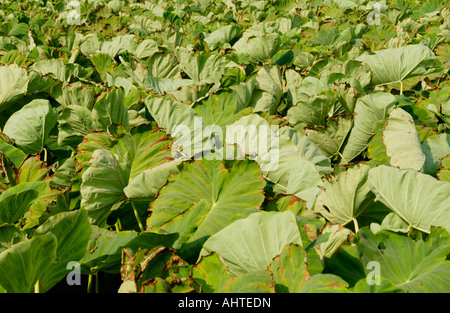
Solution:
(96, 175)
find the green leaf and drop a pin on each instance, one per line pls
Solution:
(163, 65)
(395, 223)
(62, 71)
(259, 48)
(117, 172)
(24, 263)
(336, 236)
(110, 109)
(376, 150)
(268, 90)
(64, 173)
(331, 138)
(73, 232)
(436, 148)
(74, 123)
(418, 266)
(16, 156)
(345, 196)
(419, 199)
(204, 198)
(103, 64)
(402, 141)
(369, 111)
(203, 67)
(16, 201)
(146, 185)
(404, 65)
(31, 125)
(385, 286)
(290, 273)
(74, 94)
(298, 166)
(249, 244)
(150, 147)
(326, 283)
(444, 171)
(290, 269)
(313, 111)
(105, 248)
(213, 277)
(346, 263)
(32, 170)
(219, 109)
(102, 185)
(13, 85)
(181, 122)
(10, 235)
(222, 36)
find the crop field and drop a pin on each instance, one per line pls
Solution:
(224, 146)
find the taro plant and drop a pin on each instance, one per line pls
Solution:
(223, 146)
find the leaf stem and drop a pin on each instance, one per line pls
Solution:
(36, 287)
(89, 285)
(355, 222)
(45, 155)
(137, 216)
(342, 157)
(90, 282)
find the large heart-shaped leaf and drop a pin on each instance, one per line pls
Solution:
(204, 198)
(369, 111)
(403, 65)
(104, 179)
(181, 122)
(331, 138)
(110, 109)
(222, 36)
(203, 67)
(73, 232)
(75, 122)
(347, 196)
(419, 199)
(74, 94)
(116, 175)
(414, 266)
(250, 244)
(213, 276)
(268, 90)
(300, 166)
(25, 262)
(260, 48)
(31, 125)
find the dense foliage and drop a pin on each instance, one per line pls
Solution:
(96, 178)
